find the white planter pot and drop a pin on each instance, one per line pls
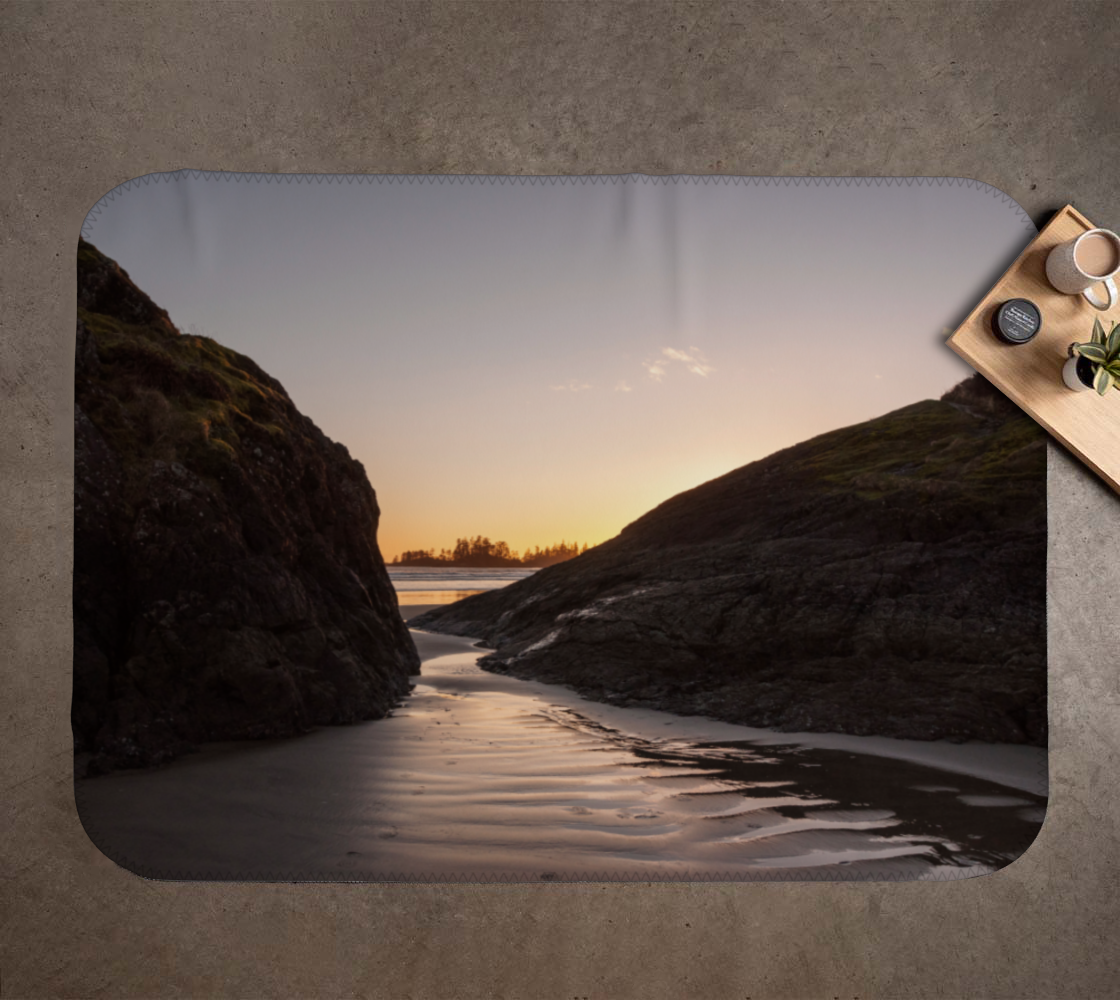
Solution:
(1070, 374)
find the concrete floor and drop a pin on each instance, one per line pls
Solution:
(1019, 95)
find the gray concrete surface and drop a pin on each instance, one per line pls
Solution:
(1020, 95)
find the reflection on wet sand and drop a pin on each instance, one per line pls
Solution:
(479, 775)
(796, 806)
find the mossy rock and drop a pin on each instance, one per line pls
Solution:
(157, 393)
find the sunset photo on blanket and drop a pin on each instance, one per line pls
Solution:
(563, 529)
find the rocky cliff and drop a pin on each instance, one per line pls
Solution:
(227, 579)
(887, 578)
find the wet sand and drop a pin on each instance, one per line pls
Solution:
(483, 776)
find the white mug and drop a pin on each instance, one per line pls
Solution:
(1070, 265)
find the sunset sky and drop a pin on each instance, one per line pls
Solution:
(534, 362)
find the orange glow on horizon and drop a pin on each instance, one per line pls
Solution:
(526, 530)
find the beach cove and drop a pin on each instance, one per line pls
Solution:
(482, 776)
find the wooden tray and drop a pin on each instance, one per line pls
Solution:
(1030, 374)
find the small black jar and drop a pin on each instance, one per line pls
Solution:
(1017, 321)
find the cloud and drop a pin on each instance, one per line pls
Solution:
(573, 386)
(692, 359)
(622, 386)
(675, 355)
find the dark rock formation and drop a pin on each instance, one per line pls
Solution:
(227, 580)
(887, 578)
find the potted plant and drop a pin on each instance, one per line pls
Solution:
(1095, 365)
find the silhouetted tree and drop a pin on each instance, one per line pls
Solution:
(480, 551)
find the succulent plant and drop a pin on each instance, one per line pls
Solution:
(1103, 351)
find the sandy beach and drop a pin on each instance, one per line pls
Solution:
(480, 776)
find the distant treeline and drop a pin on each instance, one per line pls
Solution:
(479, 551)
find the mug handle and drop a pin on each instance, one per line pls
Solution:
(1110, 287)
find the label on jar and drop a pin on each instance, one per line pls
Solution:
(1018, 320)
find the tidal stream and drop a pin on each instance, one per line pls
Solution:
(481, 776)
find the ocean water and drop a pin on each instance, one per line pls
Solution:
(428, 585)
(410, 578)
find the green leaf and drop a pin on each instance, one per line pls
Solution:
(1113, 346)
(1102, 381)
(1098, 331)
(1094, 352)
(1114, 368)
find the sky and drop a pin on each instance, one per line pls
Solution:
(541, 361)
